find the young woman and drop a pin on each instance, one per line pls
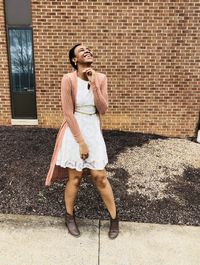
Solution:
(80, 143)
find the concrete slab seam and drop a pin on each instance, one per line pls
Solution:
(99, 242)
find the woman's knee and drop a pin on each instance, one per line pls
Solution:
(99, 178)
(77, 180)
(75, 177)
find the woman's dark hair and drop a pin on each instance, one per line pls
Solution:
(72, 55)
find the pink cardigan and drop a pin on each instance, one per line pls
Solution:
(68, 100)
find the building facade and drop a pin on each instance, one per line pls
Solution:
(149, 50)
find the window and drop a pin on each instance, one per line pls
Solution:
(21, 59)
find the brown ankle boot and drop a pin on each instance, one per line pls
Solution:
(71, 224)
(114, 227)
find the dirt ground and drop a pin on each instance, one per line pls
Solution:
(155, 179)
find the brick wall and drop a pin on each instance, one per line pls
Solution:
(5, 109)
(148, 49)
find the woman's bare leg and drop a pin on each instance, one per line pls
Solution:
(71, 189)
(102, 183)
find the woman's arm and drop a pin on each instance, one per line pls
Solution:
(100, 95)
(67, 107)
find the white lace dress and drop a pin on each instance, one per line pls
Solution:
(69, 154)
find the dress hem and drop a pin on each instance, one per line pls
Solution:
(81, 169)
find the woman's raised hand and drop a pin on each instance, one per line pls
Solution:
(90, 73)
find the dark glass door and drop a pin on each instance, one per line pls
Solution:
(22, 76)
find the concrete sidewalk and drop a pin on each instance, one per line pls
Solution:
(42, 240)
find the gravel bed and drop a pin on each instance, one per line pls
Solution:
(155, 179)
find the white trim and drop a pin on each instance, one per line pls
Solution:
(24, 121)
(198, 136)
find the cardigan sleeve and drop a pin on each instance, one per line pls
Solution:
(67, 107)
(100, 95)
